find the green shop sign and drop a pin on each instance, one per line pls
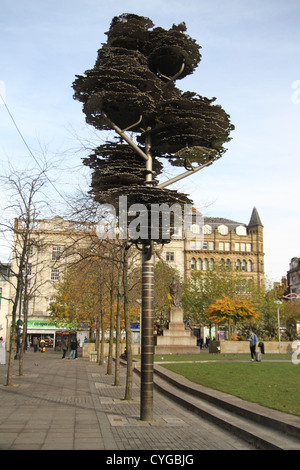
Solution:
(41, 324)
(50, 324)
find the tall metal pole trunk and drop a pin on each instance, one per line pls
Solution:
(147, 353)
(147, 338)
(129, 372)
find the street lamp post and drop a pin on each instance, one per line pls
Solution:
(278, 302)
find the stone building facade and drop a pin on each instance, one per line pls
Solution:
(293, 276)
(220, 241)
(56, 243)
(53, 245)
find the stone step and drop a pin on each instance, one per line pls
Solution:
(260, 426)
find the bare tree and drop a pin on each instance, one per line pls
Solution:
(27, 200)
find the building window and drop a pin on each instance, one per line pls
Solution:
(199, 264)
(224, 246)
(241, 230)
(195, 245)
(170, 256)
(55, 253)
(193, 263)
(207, 229)
(211, 264)
(238, 265)
(243, 247)
(249, 266)
(223, 229)
(54, 274)
(205, 264)
(244, 265)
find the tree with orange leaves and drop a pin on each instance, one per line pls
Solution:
(231, 311)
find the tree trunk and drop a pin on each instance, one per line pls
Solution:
(101, 344)
(24, 332)
(13, 336)
(111, 334)
(129, 374)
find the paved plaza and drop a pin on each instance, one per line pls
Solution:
(67, 404)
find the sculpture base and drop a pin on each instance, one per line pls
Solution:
(176, 340)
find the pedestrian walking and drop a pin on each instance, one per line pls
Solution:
(35, 343)
(253, 341)
(73, 349)
(64, 347)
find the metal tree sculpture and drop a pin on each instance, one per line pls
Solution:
(132, 87)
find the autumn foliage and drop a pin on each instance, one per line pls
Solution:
(231, 311)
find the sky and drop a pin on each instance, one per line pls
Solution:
(250, 63)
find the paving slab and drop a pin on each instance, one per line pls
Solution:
(73, 405)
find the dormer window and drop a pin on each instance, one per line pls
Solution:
(241, 230)
(223, 229)
(207, 229)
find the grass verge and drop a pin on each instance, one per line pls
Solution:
(272, 384)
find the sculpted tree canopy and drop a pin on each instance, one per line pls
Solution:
(132, 86)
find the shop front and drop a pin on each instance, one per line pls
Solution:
(41, 329)
(53, 333)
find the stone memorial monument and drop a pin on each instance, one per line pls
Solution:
(176, 339)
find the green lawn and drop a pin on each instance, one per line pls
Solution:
(272, 384)
(216, 357)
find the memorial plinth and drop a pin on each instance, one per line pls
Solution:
(176, 339)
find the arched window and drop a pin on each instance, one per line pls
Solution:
(244, 265)
(228, 264)
(205, 264)
(193, 263)
(222, 262)
(238, 265)
(199, 264)
(211, 264)
(249, 266)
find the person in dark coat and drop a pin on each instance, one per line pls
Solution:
(73, 349)
(64, 347)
